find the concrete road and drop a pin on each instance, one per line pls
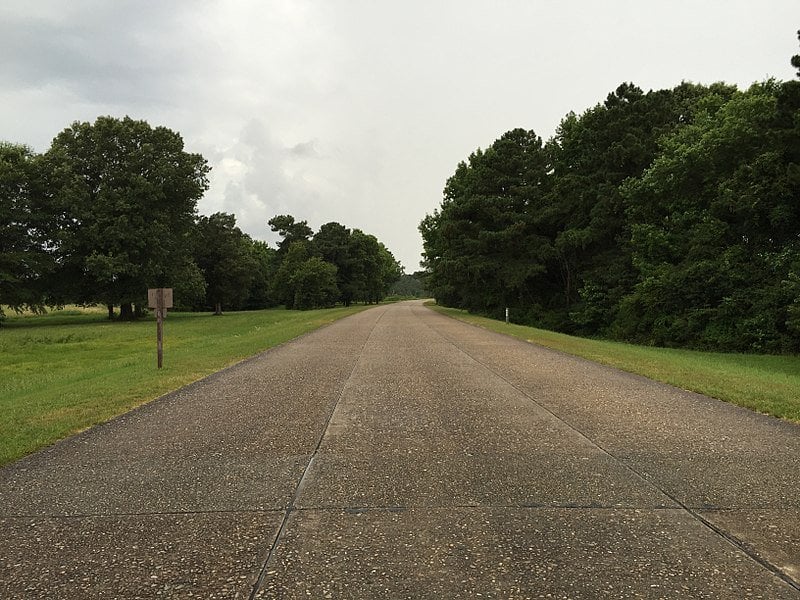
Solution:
(402, 454)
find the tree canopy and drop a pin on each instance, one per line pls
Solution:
(126, 196)
(225, 257)
(665, 217)
(363, 268)
(24, 256)
(110, 210)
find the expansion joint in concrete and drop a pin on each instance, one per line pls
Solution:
(291, 507)
(727, 537)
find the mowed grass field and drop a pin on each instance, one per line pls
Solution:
(67, 370)
(763, 383)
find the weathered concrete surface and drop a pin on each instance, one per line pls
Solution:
(401, 454)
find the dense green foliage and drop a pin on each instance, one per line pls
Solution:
(125, 195)
(224, 255)
(24, 261)
(110, 210)
(410, 286)
(334, 265)
(670, 217)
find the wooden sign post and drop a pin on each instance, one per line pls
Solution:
(161, 300)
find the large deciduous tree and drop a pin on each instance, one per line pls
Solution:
(126, 196)
(313, 284)
(266, 264)
(373, 268)
(332, 244)
(24, 224)
(225, 257)
(362, 268)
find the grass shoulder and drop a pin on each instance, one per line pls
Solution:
(764, 383)
(67, 370)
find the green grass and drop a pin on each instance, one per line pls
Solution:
(65, 371)
(764, 383)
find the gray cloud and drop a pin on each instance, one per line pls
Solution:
(305, 149)
(260, 177)
(114, 53)
(354, 110)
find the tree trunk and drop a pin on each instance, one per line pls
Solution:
(110, 311)
(218, 308)
(126, 311)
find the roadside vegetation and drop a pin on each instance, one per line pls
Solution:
(110, 210)
(764, 383)
(663, 217)
(67, 370)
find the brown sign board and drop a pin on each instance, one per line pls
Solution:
(152, 297)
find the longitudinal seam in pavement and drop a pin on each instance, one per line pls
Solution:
(730, 539)
(451, 507)
(299, 487)
(154, 513)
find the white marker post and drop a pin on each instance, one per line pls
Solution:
(506, 315)
(161, 300)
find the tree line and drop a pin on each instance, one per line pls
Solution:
(670, 217)
(110, 210)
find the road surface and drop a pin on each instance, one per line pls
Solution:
(402, 454)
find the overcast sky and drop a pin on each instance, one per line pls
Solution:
(358, 111)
